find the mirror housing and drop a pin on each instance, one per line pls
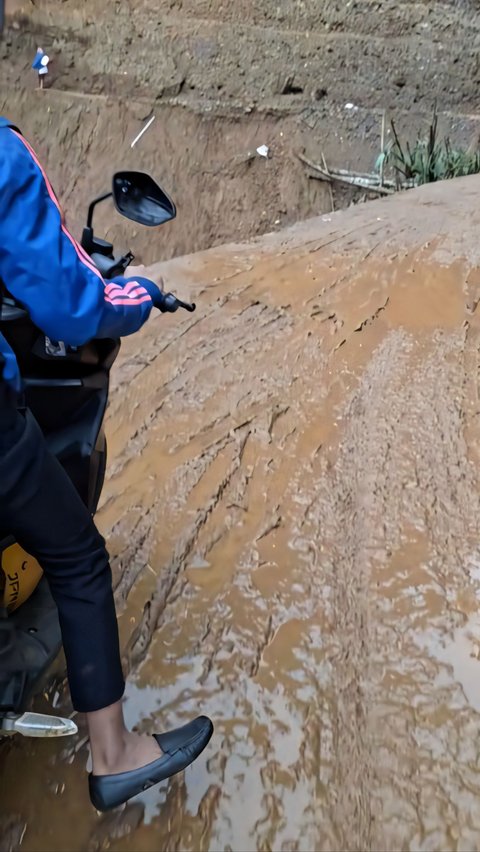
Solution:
(138, 197)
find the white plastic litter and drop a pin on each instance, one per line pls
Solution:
(143, 130)
(263, 150)
(44, 64)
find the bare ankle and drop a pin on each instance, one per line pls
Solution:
(133, 751)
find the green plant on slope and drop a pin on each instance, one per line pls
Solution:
(428, 160)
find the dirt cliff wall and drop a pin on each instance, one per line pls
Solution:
(222, 79)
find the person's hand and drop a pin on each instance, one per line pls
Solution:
(157, 296)
(141, 271)
(134, 271)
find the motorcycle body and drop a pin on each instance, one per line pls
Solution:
(66, 389)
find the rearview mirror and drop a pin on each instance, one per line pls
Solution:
(138, 197)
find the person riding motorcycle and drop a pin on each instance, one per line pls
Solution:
(46, 271)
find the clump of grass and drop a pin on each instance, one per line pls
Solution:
(428, 160)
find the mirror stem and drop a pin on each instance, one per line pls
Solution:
(93, 205)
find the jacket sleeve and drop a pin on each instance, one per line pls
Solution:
(47, 271)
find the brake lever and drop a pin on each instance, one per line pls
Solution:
(170, 304)
(187, 306)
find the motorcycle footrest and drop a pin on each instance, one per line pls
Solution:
(37, 725)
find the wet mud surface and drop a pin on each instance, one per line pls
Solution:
(293, 513)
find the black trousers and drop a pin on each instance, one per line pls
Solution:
(40, 507)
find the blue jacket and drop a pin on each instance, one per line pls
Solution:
(46, 270)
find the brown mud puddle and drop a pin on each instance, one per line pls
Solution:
(293, 510)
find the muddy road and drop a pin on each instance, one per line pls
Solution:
(293, 510)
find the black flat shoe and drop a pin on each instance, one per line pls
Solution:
(180, 748)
